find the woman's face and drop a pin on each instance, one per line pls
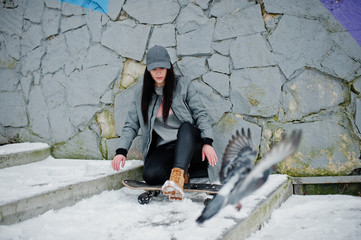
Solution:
(158, 76)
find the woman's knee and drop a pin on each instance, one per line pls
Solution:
(153, 177)
(186, 129)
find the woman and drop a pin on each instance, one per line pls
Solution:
(176, 133)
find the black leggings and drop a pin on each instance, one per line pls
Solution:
(184, 153)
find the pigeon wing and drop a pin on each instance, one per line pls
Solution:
(257, 177)
(238, 156)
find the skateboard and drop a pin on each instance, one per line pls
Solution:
(211, 189)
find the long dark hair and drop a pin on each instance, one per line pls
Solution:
(149, 90)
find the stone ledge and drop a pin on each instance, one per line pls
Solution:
(27, 208)
(349, 185)
(28, 155)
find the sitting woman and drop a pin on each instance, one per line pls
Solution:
(176, 132)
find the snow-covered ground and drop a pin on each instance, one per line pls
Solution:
(51, 174)
(117, 214)
(314, 217)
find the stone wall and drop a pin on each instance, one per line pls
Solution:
(67, 74)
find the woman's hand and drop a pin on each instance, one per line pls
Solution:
(209, 153)
(117, 160)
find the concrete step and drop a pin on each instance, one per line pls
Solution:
(22, 153)
(34, 188)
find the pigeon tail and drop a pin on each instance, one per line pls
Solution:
(212, 209)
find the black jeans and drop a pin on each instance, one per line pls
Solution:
(184, 153)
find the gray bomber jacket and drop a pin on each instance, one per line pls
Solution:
(186, 106)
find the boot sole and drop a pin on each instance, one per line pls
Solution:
(172, 190)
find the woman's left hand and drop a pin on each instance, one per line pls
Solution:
(209, 153)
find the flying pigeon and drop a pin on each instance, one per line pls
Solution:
(238, 174)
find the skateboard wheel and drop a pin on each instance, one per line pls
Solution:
(144, 198)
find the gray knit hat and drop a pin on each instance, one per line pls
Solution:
(157, 57)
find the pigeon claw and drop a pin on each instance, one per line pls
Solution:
(238, 207)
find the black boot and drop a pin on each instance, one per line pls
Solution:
(147, 196)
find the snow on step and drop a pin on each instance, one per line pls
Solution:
(22, 153)
(31, 189)
(118, 215)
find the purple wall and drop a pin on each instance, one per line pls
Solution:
(348, 13)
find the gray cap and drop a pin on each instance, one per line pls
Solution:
(157, 57)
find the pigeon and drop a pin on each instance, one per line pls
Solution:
(239, 176)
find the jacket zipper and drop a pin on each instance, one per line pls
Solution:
(175, 114)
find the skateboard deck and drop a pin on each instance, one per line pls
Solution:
(188, 187)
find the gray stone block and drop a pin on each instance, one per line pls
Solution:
(256, 91)
(11, 21)
(326, 147)
(9, 80)
(163, 36)
(26, 84)
(339, 64)
(219, 63)
(34, 10)
(153, 11)
(73, 22)
(98, 55)
(53, 4)
(245, 22)
(80, 116)
(192, 67)
(190, 18)
(357, 85)
(306, 8)
(222, 46)
(87, 86)
(126, 38)
(202, 3)
(13, 109)
(69, 9)
(114, 8)
(60, 126)
(214, 103)
(358, 115)
(94, 23)
(53, 89)
(50, 22)
(348, 44)
(31, 38)
(12, 45)
(56, 56)
(310, 92)
(38, 113)
(221, 8)
(32, 61)
(78, 41)
(85, 145)
(295, 47)
(251, 51)
(197, 42)
(218, 81)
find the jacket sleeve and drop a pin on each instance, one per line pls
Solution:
(199, 113)
(130, 128)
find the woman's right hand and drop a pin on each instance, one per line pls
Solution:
(117, 160)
